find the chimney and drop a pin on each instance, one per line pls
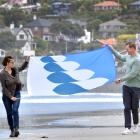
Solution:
(12, 26)
(20, 26)
(34, 17)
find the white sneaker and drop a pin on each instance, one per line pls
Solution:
(126, 131)
(135, 129)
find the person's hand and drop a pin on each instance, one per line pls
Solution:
(102, 43)
(13, 98)
(111, 47)
(118, 81)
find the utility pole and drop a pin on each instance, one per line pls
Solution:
(66, 46)
(118, 4)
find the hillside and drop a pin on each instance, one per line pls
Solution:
(80, 10)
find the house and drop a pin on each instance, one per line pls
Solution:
(25, 36)
(81, 23)
(106, 6)
(61, 8)
(17, 2)
(22, 2)
(24, 39)
(111, 28)
(2, 53)
(40, 27)
(4, 29)
(86, 38)
(134, 5)
(26, 5)
(51, 37)
(32, 1)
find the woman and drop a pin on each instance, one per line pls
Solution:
(11, 86)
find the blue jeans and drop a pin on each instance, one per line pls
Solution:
(12, 110)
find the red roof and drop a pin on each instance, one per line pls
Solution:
(107, 3)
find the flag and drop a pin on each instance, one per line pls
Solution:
(70, 74)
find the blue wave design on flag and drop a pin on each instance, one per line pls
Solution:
(47, 59)
(53, 67)
(68, 89)
(60, 77)
(99, 62)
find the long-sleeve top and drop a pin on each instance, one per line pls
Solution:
(11, 82)
(132, 69)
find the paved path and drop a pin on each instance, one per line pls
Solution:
(100, 127)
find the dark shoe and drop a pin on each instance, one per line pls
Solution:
(16, 132)
(12, 133)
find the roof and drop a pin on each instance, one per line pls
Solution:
(135, 3)
(28, 31)
(60, 3)
(56, 3)
(4, 29)
(40, 22)
(113, 22)
(2, 50)
(107, 3)
(15, 31)
(76, 21)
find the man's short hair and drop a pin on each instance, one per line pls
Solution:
(131, 45)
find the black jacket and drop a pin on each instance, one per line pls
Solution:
(11, 83)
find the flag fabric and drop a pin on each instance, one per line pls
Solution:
(70, 74)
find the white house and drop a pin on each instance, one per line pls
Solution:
(2, 53)
(24, 40)
(110, 28)
(26, 35)
(135, 5)
(86, 38)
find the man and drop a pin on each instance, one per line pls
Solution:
(131, 86)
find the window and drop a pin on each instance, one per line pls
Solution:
(2, 52)
(46, 38)
(21, 36)
(33, 46)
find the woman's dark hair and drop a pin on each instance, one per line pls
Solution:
(6, 60)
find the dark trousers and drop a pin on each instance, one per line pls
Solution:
(131, 105)
(12, 110)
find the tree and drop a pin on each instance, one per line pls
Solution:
(7, 41)
(45, 8)
(66, 28)
(86, 4)
(106, 15)
(126, 2)
(2, 20)
(15, 15)
(2, 2)
(131, 29)
(94, 24)
(41, 46)
(126, 37)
